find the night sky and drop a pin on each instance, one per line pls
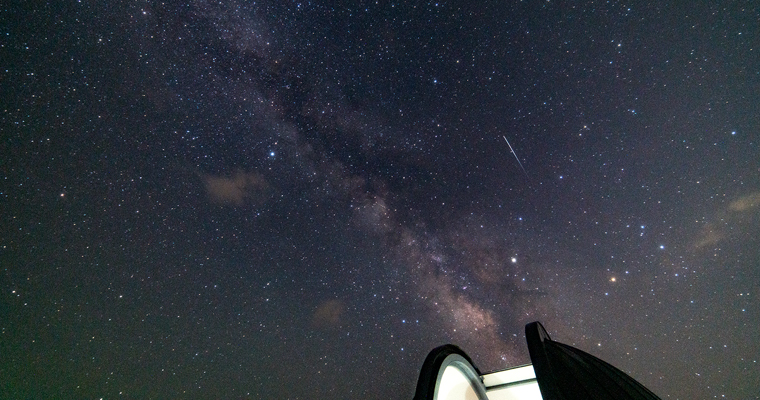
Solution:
(282, 199)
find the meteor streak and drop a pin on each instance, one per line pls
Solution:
(515, 154)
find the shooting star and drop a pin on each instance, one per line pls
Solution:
(516, 158)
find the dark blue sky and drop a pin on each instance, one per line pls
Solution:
(300, 200)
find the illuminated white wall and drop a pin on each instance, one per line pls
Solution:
(512, 384)
(455, 386)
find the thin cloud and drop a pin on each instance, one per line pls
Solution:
(237, 189)
(745, 203)
(327, 314)
(738, 213)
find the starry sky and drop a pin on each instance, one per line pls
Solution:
(284, 199)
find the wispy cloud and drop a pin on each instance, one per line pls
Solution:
(327, 314)
(738, 213)
(745, 203)
(236, 189)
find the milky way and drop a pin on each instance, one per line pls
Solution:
(300, 200)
